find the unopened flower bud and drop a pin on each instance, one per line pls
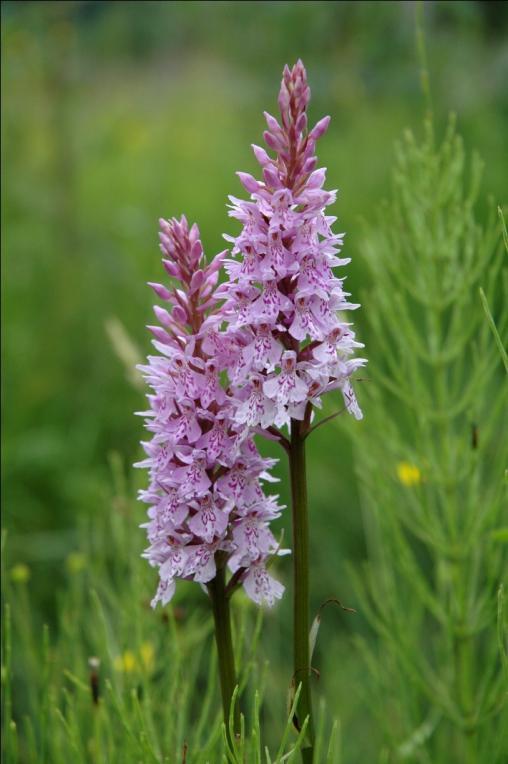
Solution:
(261, 155)
(162, 315)
(248, 182)
(319, 129)
(160, 290)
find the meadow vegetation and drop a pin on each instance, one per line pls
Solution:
(115, 114)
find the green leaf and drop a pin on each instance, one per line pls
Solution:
(499, 342)
(316, 623)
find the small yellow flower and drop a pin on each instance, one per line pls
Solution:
(147, 654)
(126, 663)
(20, 573)
(75, 562)
(408, 474)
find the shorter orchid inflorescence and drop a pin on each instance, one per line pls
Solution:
(207, 504)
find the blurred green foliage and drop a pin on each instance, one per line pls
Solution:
(117, 113)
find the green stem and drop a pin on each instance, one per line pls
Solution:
(224, 641)
(302, 668)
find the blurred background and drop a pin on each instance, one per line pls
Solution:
(115, 114)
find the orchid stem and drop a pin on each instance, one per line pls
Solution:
(302, 670)
(224, 641)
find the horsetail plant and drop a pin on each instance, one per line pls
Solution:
(435, 528)
(283, 305)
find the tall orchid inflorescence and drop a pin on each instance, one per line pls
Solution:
(207, 504)
(282, 297)
(284, 310)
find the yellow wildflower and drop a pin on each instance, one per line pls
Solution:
(147, 654)
(408, 474)
(126, 662)
(20, 573)
(75, 562)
